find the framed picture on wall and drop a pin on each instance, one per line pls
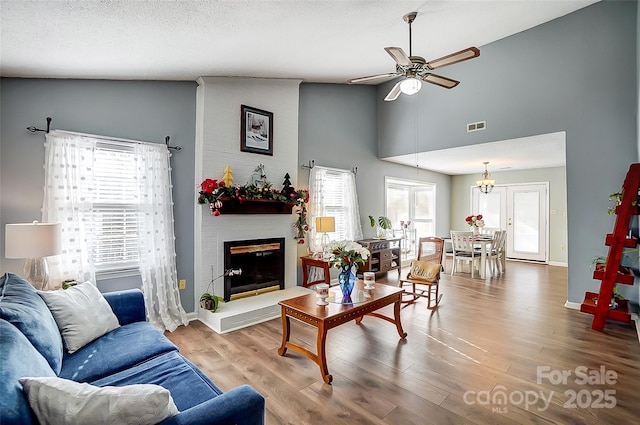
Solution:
(256, 131)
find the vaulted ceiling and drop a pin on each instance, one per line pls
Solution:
(315, 41)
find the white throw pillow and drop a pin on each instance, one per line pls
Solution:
(58, 401)
(81, 313)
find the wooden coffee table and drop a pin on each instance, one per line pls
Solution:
(305, 309)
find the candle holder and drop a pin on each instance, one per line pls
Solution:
(322, 292)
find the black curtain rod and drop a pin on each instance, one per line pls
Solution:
(34, 129)
(312, 163)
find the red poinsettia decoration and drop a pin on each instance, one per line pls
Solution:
(209, 185)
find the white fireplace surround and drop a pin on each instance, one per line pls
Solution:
(217, 145)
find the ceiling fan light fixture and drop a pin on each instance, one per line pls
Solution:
(410, 86)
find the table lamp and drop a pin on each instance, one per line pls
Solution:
(325, 225)
(33, 242)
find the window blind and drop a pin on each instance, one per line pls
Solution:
(114, 200)
(334, 201)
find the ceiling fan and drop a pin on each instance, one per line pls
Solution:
(415, 69)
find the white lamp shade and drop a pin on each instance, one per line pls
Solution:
(325, 224)
(32, 240)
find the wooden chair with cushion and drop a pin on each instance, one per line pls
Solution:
(425, 271)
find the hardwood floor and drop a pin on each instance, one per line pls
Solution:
(487, 337)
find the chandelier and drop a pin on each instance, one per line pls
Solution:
(486, 183)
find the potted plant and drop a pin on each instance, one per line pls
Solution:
(210, 302)
(616, 199)
(383, 225)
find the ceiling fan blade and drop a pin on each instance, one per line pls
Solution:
(394, 93)
(399, 56)
(462, 55)
(373, 78)
(441, 81)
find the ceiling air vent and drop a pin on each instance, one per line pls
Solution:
(476, 126)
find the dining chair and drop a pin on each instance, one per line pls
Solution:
(425, 271)
(502, 252)
(463, 250)
(488, 230)
(496, 254)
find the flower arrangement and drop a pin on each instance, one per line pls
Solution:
(475, 220)
(346, 254)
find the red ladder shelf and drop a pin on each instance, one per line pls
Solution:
(617, 242)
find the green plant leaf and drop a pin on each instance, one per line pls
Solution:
(384, 222)
(372, 221)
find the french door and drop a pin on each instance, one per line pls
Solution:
(521, 209)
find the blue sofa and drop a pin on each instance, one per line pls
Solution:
(134, 353)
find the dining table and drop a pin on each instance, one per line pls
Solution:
(483, 242)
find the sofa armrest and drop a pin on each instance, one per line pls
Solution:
(240, 406)
(127, 305)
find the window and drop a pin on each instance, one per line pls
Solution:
(333, 194)
(114, 208)
(334, 202)
(113, 201)
(414, 202)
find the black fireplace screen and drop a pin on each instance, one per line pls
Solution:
(253, 266)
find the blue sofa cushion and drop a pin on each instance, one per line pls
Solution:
(21, 305)
(18, 359)
(117, 350)
(188, 386)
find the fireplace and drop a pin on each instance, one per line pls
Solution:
(253, 267)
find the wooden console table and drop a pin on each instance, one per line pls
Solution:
(305, 309)
(385, 255)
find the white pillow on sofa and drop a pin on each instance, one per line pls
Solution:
(81, 313)
(58, 401)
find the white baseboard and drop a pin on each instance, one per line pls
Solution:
(636, 319)
(558, 264)
(572, 305)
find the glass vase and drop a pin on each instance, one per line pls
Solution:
(347, 280)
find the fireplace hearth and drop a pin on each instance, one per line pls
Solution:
(253, 267)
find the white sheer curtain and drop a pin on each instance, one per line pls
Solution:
(68, 188)
(69, 195)
(156, 244)
(333, 193)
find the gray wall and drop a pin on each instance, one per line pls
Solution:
(575, 74)
(141, 110)
(337, 128)
(556, 177)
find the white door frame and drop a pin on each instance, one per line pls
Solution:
(505, 219)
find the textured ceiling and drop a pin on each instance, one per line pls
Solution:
(314, 41)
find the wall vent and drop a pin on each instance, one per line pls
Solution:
(476, 126)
